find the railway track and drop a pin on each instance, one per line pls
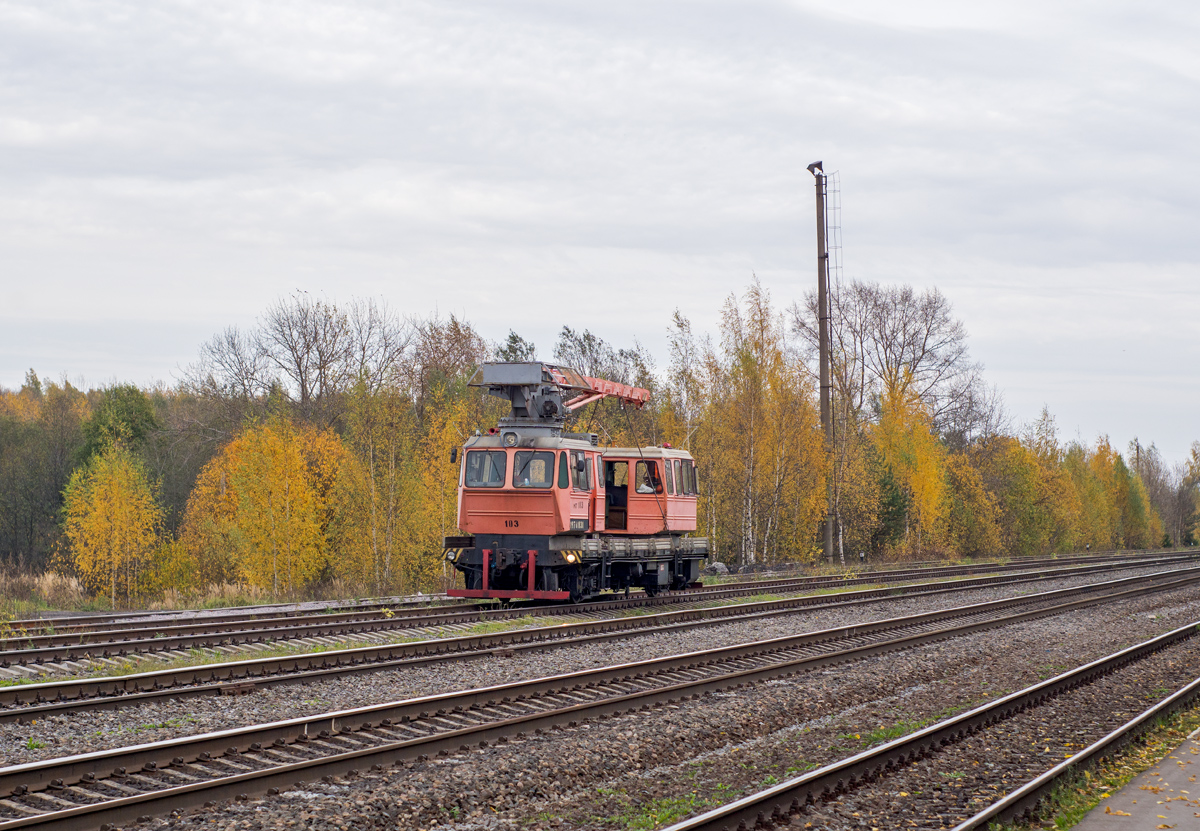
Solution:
(71, 651)
(121, 785)
(31, 701)
(778, 805)
(64, 627)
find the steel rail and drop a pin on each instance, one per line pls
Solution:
(774, 805)
(89, 621)
(185, 772)
(243, 675)
(1026, 801)
(93, 620)
(72, 647)
(65, 632)
(30, 701)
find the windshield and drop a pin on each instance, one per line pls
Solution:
(485, 468)
(533, 469)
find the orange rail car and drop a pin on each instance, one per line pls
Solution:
(550, 515)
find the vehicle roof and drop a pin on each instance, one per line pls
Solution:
(645, 452)
(493, 441)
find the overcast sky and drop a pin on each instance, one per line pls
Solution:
(170, 168)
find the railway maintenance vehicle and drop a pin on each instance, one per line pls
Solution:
(550, 515)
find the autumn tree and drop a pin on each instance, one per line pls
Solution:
(896, 338)
(209, 534)
(445, 355)
(277, 516)
(111, 522)
(308, 351)
(910, 451)
(1166, 489)
(265, 495)
(686, 391)
(1012, 473)
(971, 527)
(760, 440)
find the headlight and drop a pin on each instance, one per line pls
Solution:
(570, 557)
(510, 439)
(452, 554)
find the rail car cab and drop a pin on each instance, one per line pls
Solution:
(648, 490)
(545, 487)
(550, 515)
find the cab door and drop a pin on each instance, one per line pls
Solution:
(575, 475)
(598, 493)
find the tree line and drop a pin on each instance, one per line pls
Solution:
(311, 451)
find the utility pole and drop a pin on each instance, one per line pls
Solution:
(823, 316)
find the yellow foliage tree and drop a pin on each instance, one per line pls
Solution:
(277, 510)
(907, 445)
(209, 533)
(971, 526)
(758, 441)
(448, 423)
(112, 523)
(267, 497)
(381, 498)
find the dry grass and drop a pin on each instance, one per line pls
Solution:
(23, 594)
(212, 596)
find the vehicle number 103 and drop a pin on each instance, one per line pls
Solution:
(512, 523)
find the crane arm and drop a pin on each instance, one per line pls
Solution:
(538, 389)
(600, 388)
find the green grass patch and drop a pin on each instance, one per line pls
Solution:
(798, 768)
(660, 812)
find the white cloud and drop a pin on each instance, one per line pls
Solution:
(185, 163)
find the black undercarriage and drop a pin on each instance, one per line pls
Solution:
(572, 574)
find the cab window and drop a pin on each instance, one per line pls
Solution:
(646, 478)
(581, 479)
(485, 468)
(616, 474)
(563, 484)
(533, 469)
(667, 475)
(689, 478)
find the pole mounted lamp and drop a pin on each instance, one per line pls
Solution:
(823, 316)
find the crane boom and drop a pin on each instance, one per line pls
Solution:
(536, 390)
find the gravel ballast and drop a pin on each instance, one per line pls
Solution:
(85, 731)
(679, 759)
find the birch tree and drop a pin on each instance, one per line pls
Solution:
(111, 522)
